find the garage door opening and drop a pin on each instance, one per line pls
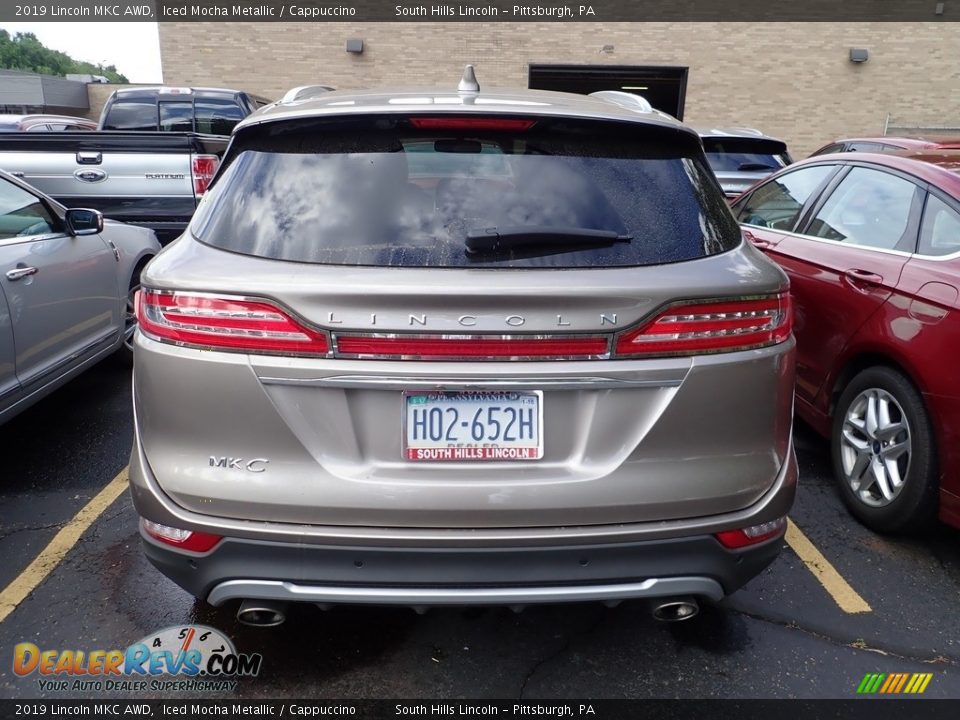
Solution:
(664, 87)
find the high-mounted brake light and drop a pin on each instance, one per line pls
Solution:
(753, 535)
(471, 123)
(252, 326)
(705, 327)
(471, 347)
(203, 168)
(179, 538)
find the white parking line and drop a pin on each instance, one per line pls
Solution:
(35, 573)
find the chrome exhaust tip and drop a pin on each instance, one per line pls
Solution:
(261, 613)
(675, 609)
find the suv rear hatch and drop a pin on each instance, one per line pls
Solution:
(739, 162)
(446, 276)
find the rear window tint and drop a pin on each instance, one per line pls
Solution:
(388, 194)
(940, 233)
(217, 117)
(176, 116)
(131, 116)
(745, 154)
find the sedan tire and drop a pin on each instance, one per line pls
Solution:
(884, 458)
(124, 354)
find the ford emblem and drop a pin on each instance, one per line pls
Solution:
(90, 176)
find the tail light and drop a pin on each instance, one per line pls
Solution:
(753, 535)
(203, 168)
(705, 327)
(472, 347)
(472, 123)
(259, 326)
(253, 326)
(183, 539)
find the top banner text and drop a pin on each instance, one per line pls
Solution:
(491, 11)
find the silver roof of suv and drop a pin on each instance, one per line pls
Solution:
(432, 100)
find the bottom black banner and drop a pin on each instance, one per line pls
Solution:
(867, 709)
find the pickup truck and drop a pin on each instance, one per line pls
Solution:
(150, 179)
(178, 109)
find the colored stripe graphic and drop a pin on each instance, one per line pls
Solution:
(903, 681)
(891, 680)
(870, 683)
(919, 683)
(894, 683)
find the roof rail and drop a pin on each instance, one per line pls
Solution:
(624, 99)
(305, 91)
(637, 103)
(745, 130)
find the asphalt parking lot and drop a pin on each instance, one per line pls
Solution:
(786, 635)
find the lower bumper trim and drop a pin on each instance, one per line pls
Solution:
(286, 591)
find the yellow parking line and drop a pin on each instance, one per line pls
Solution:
(25, 583)
(841, 592)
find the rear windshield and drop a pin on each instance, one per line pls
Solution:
(176, 116)
(131, 115)
(216, 117)
(383, 192)
(745, 154)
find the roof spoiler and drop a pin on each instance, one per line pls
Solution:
(305, 91)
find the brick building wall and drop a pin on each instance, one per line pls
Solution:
(792, 80)
(98, 94)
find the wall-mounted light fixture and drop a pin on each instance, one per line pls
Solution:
(355, 45)
(859, 55)
(607, 50)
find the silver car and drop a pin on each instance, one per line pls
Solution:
(741, 157)
(66, 291)
(456, 347)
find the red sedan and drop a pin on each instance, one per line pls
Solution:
(871, 243)
(887, 144)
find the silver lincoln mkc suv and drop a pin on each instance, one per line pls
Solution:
(457, 347)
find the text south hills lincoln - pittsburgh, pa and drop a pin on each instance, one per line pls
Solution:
(560, 12)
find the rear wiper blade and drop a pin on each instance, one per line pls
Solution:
(498, 239)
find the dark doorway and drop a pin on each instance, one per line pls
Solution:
(664, 87)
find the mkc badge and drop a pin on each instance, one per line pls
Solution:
(256, 465)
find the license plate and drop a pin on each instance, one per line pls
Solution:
(472, 426)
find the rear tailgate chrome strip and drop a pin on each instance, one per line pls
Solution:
(392, 381)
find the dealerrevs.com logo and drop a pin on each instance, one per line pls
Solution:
(183, 657)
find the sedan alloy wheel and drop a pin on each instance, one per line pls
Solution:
(876, 447)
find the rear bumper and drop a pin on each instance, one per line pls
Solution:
(416, 566)
(242, 569)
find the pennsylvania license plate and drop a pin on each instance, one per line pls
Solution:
(473, 426)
